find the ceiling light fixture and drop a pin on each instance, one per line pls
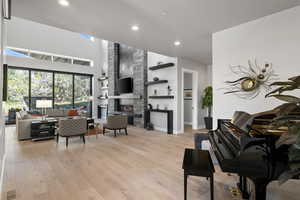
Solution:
(135, 28)
(177, 43)
(64, 3)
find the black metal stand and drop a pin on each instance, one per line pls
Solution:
(169, 116)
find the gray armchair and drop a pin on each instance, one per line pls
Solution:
(116, 122)
(71, 128)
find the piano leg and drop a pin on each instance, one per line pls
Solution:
(261, 189)
(212, 187)
(185, 186)
(242, 185)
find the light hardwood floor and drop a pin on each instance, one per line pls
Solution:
(142, 166)
(189, 129)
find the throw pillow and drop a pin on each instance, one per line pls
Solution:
(73, 112)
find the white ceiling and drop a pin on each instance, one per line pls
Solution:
(190, 21)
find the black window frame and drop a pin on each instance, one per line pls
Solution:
(53, 83)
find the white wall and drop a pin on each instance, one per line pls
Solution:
(159, 120)
(204, 77)
(34, 36)
(188, 111)
(2, 121)
(275, 39)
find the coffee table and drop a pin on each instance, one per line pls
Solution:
(43, 129)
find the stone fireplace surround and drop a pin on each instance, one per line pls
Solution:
(135, 108)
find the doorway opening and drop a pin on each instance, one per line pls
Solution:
(190, 100)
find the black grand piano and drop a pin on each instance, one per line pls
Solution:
(249, 154)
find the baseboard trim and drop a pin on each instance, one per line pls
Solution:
(201, 127)
(160, 129)
(188, 123)
(2, 176)
(166, 130)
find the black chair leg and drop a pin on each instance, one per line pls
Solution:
(103, 131)
(57, 138)
(126, 131)
(185, 186)
(115, 132)
(212, 187)
(83, 138)
(67, 141)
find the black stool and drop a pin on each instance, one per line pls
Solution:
(198, 163)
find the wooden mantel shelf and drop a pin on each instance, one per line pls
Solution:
(125, 97)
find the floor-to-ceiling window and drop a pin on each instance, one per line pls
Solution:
(63, 91)
(41, 87)
(17, 92)
(66, 90)
(82, 93)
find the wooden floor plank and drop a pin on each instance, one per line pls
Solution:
(143, 165)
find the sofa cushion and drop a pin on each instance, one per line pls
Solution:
(23, 114)
(55, 113)
(28, 116)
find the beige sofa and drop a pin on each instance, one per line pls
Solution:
(23, 121)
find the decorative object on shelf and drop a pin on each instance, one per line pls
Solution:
(207, 101)
(155, 92)
(12, 113)
(150, 107)
(188, 94)
(103, 74)
(155, 79)
(252, 80)
(166, 107)
(159, 63)
(102, 97)
(102, 78)
(157, 106)
(169, 90)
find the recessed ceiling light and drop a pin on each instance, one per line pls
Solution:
(135, 28)
(177, 43)
(64, 3)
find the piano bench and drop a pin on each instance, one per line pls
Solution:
(198, 163)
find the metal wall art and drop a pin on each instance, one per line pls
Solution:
(253, 79)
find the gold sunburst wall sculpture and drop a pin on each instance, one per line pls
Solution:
(252, 80)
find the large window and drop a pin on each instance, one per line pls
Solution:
(63, 91)
(13, 51)
(82, 91)
(66, 90)
(18, 90)
(41, 87)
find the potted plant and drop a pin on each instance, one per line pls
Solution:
(288, 120)
(207, 100)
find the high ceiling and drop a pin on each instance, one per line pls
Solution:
(161, 22)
